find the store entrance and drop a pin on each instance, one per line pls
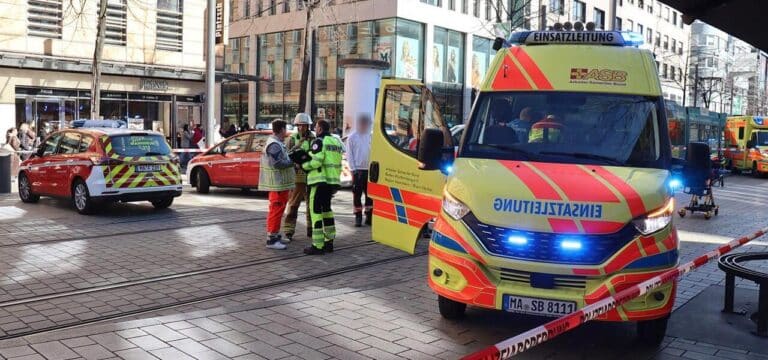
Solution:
(45, 114)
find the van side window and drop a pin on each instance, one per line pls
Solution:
(402, 118)
(741, 133)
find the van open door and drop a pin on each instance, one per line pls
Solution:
(405, 198)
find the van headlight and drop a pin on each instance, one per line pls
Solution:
(454, 208)
(656, 220)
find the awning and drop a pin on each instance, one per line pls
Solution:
(744, 19)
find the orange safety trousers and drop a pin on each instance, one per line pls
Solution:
(277, 203)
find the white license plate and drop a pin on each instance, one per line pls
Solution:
(147, 168)
(535, 306)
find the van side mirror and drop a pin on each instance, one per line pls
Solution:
(750, 144)
(430, 149)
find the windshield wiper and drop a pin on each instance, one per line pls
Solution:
(608, 159)
(524, 152)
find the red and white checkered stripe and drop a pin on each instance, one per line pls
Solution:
(538, 335)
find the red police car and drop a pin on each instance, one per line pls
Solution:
(100, 161)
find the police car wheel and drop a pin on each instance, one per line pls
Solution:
(450, 309)
(162, 203)
(81, 198)
(652, 332)
(203, 182)
(25, 190)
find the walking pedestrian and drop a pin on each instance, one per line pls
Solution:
(197, 136)
(27, 140)
(13, 144)
(358, 151)
(186, 143)
(323, 177)
(301, 140)
(278, 178)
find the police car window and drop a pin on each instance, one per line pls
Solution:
(258, 142)
(85, 143)
(566, 127)
(50, 144)
(402, 117)
(236, 144)
(69, 143)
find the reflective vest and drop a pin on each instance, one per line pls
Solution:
(545, 131)
(272, 178)
(325, 166)
(295, 142)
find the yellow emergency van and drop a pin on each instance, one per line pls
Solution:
(559, 191)
(746, 144)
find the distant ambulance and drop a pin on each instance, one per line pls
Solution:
(746, 142)
(559, 192)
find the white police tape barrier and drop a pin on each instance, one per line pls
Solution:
(529, 339)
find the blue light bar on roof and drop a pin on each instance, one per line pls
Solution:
(99, 124)
(758, 120)
(615, 38)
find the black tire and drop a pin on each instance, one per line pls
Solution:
(203, 181)
(245, 190)
(25, 190)
(652, 332)
(81, 198)
(449, 309)
(162, 203)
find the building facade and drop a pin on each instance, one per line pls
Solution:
(444, 43)
(152, 65)
(729, 75)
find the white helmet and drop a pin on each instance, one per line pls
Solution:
(302, 119)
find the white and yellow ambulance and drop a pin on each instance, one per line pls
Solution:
(559, 191)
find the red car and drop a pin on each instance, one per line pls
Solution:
(233, 162)
(91, 165)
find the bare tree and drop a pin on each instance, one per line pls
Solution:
(97, 54)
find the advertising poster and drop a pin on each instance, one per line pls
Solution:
(437, 63)
(407, 63)
(479, 67)
(453, 64)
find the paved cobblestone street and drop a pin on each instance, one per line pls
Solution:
(196, 282)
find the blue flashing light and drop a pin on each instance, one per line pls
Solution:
(758, 121)
(517, 240)
(448, 169)
(675, 184)
(632, 39)
(571, 245)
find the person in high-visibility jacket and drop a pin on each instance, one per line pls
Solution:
(548, 130)
(301, 140)
(323, 178)
(277, 177)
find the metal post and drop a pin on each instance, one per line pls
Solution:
(762, 310)
(612, 12)
(730, 280)
(696, 86)
(210, 75)
(543, 17)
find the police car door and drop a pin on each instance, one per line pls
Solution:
(405, 198)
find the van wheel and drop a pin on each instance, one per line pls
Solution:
(203, 182)
(162, 203)
(450, 309)
(81, 198)
(25, 190)
(652, 332)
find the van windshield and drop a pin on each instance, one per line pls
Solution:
(761, 138)
(563, 127)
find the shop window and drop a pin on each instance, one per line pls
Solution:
(44, 18)
(447, 56)
(409, 49)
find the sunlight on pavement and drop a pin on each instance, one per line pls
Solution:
(66, 255)
(11, 212)
(213, 240)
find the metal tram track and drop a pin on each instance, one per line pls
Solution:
(321, 275)
(159, 278)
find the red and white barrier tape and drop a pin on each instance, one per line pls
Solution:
(541, 334)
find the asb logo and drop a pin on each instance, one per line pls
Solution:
(598, 75)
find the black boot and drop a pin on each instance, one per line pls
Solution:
(358, 219)
(368, 218)
(328, 247)
(312, 250)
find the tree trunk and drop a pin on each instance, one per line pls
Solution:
(303, 103)
(96, 66)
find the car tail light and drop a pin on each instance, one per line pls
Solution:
(102, 160)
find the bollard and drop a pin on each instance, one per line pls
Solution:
(5, 172)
